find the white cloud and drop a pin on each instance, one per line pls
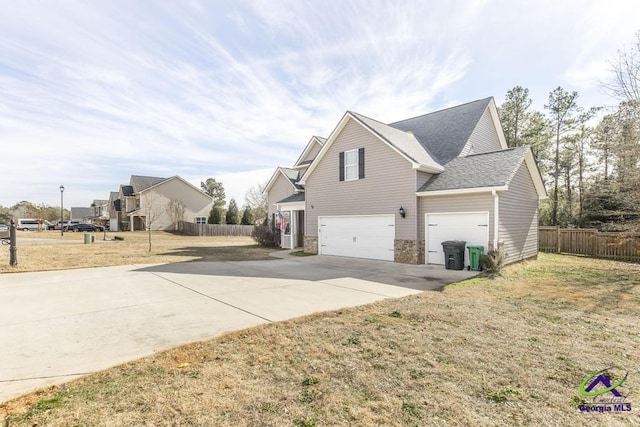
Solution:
(104, 90)
(237, 184)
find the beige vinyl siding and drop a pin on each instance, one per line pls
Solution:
(484, 138)
(388, 184)
(280, 189)
(482, 202)
(313, 152)
(196, 203)
(422, 178)
(518, 217)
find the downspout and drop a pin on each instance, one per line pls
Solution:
(495, 218)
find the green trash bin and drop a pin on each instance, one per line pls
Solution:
(87, 238)
(475, 257)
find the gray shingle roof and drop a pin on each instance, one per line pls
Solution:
(81, 213)
(444, 133)
(297, 197)
(294, 176)
(479, 170)
(403, 141)
(140, 183)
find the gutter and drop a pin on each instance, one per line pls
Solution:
(495, 218)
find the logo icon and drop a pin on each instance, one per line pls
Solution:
(601, 377)
(597, 387)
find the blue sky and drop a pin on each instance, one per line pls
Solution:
(94, 91)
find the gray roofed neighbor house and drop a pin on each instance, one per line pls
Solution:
(444, 133)
(479, 170)
(140, 183)
(297, 197)
(81, 213)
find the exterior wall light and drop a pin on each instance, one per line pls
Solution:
(402, 212)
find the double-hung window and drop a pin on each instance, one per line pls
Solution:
(201, 220)
(351, 165)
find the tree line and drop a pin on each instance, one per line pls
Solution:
(589, 158)
(254, 210)
(26, 209)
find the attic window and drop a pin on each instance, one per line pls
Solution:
(352, 165)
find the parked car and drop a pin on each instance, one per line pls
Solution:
(65, 224)
(4, 231)
(83, 227)
(46, 225)
(27, 224)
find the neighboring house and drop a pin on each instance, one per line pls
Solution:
(146, 201)
(397, 191)
(81, 214)
(114, 210)
(100, 212)
(97, 213)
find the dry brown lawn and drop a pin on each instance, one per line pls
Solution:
(509, 351)
(48, 250)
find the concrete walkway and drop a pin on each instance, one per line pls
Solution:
(59, 325)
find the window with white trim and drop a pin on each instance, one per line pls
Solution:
(351, 165)
(201, 220)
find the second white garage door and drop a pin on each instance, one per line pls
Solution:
(358, 236)
(472, 227)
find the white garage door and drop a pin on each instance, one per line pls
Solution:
(369, 236)
(472, 227)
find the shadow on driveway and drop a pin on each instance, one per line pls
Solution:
(321, 268)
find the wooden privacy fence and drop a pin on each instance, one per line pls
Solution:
(587, 241)
(193, 229)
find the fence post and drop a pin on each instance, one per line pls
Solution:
(13, 246)
(557, 239)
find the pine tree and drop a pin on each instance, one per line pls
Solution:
(247, 217)
(233, 214)
(215, 216)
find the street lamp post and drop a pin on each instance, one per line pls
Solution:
(61, 211)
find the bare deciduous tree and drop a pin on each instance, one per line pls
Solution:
(625, 84)
(149, 206)
(175, 209)
(257, 201)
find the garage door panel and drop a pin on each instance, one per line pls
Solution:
(472, 227)
(369, 237)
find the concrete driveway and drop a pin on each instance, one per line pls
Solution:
(60, 325)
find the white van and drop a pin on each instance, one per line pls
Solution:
(26, 224)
